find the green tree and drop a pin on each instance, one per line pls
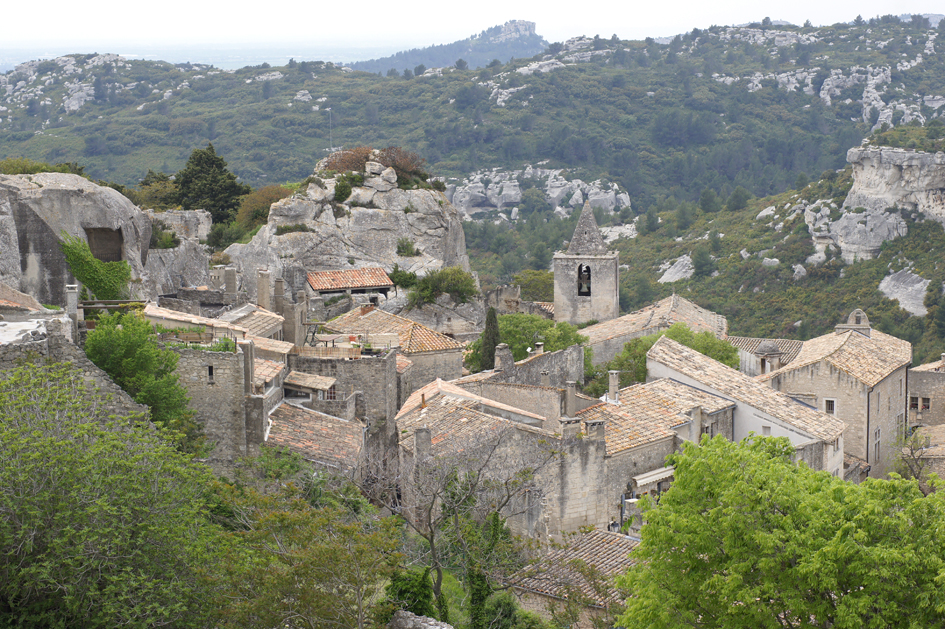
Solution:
(412, 590)
(461, 64)
(738, 200)
(747, 538)
(206, 183)
(702, 263)
(254, 207)
(125, 347)
(402, 278)
(106, 280)
(101, 523)
(490, 338)
(460, 285)
(536, 285)
(522, 331)
(709, 201)
(533, 200)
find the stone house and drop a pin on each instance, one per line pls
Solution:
(553, 577)
(858, 375)
(926, 385)
(607, 339)
(818, 437)
(586, 276)
(433, 355)
(351, 281)
(328, 441)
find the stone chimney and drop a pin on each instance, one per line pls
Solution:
(695, 427)
(279, 301)
(503, 357)
(249, 367)
(217, 274)
(570, 428)
(229, 280)
(596, 430)
(539, 348)
(72, 302)
(545, 378)
(570, 398)
(613, 392)
(263, 289)
(366, 309)
(422, 444)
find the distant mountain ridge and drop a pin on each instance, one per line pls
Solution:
(515, 38)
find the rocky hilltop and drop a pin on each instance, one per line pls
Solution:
(891, 177)
(312, 230)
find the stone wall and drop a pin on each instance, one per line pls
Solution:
(562, 366)
(374, 376)
(428, 366)
(931, 385)
(545, 401)
(577, 489)
(623, 466)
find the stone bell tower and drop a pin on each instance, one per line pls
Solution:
(586, 276)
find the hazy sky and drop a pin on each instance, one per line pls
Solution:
(110, 25)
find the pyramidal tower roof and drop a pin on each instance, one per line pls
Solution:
(587, 238)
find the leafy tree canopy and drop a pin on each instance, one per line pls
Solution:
(206, 183)
(452, 281)
(522, 331)
(101, 523)
(746, 538)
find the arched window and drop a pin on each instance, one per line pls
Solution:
(584, 280)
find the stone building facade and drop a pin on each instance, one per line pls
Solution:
(927, 394)
(857, 375)
(586, 276)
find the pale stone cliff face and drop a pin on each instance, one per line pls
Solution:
(361, 232)
(889, 177)
(36, 209)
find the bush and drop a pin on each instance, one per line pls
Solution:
(342, 189)
(401, 278)
(106, 280)
(162, 237)
(406, 249)
(452, 281)
(288, 229)
(254, 208)
(349, 159)
(222, 235)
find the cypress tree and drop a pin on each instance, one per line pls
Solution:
(490, 338)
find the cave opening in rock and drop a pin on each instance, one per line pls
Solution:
(106, 244)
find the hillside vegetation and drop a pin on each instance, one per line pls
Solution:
(715, 108)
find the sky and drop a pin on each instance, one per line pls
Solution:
(379, 28)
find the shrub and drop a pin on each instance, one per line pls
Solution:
(349, 159)
(222, 235)
(106, 280)
(342, 189)
(162, 237)
(452, 281)
(401, 278)
(406, 249)
(254, 208)
(288, 229)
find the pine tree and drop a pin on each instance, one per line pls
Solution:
(490, 338)
(205, 183)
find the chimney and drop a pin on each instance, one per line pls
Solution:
(422, 444)
(570, 428)
(613, 393)
(695, 426)
(262, 289)
(539, 348)
(249, 367)
(229, 280)
(217, 276)
(595, 430)
(570, 398)
(72, 302)
(503, 357)
(279, 300)
(366, 309)
(545, 378)
(423, 400)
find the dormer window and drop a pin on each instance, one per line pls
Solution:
(859, 320)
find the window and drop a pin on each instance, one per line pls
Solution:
(926, 403)
(859, 320)
(876, 441)
(913, 403)
(830, 407)
(210, 374)
(766, 431)
(330, 394)
(706, 429)
(584, 280)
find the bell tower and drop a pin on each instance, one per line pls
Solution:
(586, 275)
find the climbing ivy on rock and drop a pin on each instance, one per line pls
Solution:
(106, 280)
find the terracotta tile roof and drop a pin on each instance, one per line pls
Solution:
(739, 387)
(316, 436)
(271, 345)
(554, 574)
(938, 365)
(265, 370)
(645, 418)
(790, 348)
(372, 277)
(403, 363)
(684, 397)
(414, 337)
(6, 304)
(157, 314)
(257, 321)
(309, 381)
(869, 359)
(659, 316)
(455, 417)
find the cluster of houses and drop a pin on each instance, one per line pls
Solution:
(369, 383)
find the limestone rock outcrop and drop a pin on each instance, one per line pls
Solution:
(36, 209)
(908, 289)
(680, 269)
(362, 231)
(889, 177)
(186, 265)
(189, 224)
